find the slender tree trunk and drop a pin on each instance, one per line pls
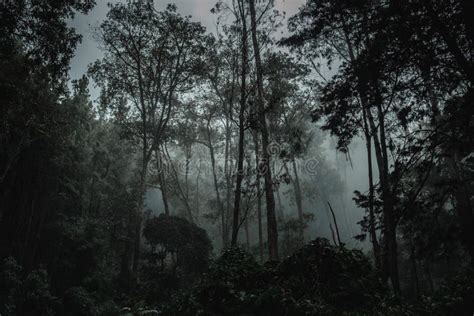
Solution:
(182, 193)
(228, 144)
(388, 207)
(388, 199)
(161, 177)
(259, 199)
(414, 270)
(372, 222)
(186, 172)
(243, 100)
(138, 231)
(462, 196)
(468, 13)
(280, 209)
(427, 269)
(216, 186)
(333, 235)
(270, 199)
(225, 219)
(298, 195)
(143, 176)
(335, 224)
(197, 205)
(139, 209)
(247, 234)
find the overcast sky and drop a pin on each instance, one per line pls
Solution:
(87, 51)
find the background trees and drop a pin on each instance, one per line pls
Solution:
(377, 92)
(36, 122)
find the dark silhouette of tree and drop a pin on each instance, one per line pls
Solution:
(150, 56)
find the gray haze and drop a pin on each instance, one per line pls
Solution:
(354, 176)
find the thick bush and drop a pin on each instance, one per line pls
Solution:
(337, 276)
(25, 294)
(318, 279)
(31, 294)
(454, 297)
(177, 255)
(181, 238)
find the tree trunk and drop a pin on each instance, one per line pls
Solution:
(281, 211)
(333, 235)
(266, 163)
(372, 224)
(298, 195)
(161, 178)
(139, 209)
(414, 270)
(247, 234)
(259, 199)
(429, 277)
(197, 205)
(143, 175)
(186, 172)
(226, 217)
(335, 224)
(243, 100)
(182, 194)
(462, 197)
(216, 186)
(138, 233)
(388, 207)
(388, 199)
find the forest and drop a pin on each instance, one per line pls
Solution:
(254, 162)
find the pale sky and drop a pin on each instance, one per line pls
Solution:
(87, 52)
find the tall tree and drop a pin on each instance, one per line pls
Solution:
(150, 57)
(242, 17)
(265, 163)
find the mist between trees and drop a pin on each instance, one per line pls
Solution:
(205, 168)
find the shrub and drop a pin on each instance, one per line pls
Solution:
(337, 276)
(175, 235)
(22, 294)
(318, 279)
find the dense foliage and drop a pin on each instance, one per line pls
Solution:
(318, 279)
(176, 236)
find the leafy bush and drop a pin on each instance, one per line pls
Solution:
(454, 297)
(186, 240)
(336, 275)
(30, 294)
(10, 286)
(178, 254)
(318, 279)
(25, 295)
(225, 290)
(78, 302)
